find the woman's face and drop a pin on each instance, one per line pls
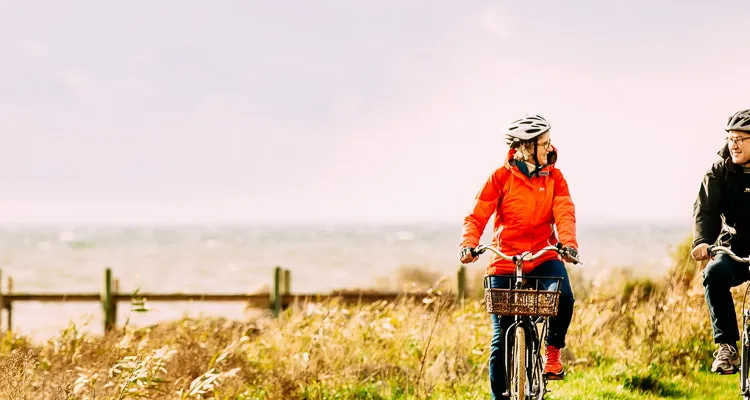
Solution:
(543, 147)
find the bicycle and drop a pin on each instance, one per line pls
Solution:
(524, 374)
(745, 335)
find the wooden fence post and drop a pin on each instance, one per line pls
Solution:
(461, 295)
(10, 305)
(108, 302)
(113, 304)
(2, 300)
(287, 281)
(276, 295)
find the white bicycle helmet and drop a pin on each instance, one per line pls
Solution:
(526, 128)
(740, 121)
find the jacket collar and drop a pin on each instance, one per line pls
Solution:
(510, 163)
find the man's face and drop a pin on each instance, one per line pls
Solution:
(739, 146)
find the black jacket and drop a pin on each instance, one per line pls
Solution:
(724, 193)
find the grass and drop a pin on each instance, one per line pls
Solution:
(631, 338)
(610, 382)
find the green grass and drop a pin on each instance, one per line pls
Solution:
(590, 383)
(612, 382)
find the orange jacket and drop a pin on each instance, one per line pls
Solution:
(526, 213)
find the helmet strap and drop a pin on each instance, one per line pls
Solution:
(536, 159)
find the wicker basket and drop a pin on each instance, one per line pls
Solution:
(529, 300)
(522, 302)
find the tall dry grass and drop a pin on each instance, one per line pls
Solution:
(404, 349)
(380, 350)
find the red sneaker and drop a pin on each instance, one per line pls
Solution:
(553, 368)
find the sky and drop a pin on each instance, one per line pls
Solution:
(340, 111)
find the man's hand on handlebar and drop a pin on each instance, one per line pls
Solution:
(700, 252)
(467, 255)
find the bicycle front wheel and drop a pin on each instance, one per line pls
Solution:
(518, 372)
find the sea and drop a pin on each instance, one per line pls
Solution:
(241, 259)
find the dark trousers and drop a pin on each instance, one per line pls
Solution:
(720, 275)
(558, 325)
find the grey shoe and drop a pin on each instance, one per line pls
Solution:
(726, 360)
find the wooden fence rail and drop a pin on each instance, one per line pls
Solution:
(276, 300)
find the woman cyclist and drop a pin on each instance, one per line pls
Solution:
(529, 198)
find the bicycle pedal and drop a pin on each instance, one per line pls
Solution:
(555, 377)
(730, 372)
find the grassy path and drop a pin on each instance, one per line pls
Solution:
(610, 383)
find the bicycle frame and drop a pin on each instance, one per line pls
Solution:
(745, 339)
(527, 323)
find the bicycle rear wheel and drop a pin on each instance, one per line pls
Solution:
(538, 383)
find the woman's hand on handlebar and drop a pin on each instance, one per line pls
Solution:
(467, 255)
(569, 254)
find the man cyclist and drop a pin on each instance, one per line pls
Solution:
(722, 211)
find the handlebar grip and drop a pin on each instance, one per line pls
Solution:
(564, 251)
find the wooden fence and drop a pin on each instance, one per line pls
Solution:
(276, 300)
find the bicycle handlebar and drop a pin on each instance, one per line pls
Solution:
(714, 250)
(526, 256)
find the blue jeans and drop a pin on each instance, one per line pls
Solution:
(721, 274)
(558, 325)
